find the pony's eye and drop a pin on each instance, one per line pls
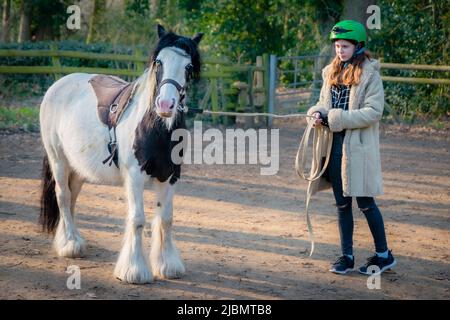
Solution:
(158, 62)
(189, 67)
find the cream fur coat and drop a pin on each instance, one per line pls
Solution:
(361, 164)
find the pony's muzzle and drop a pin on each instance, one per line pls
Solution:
(164, 107)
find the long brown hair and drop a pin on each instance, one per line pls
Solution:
(350, 75)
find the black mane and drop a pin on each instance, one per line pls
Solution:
(152, 145)
(171, 39)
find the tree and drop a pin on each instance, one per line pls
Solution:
(6, 20)
(416, 32)
(24, 27)
(41, 19)
(91, 22)
(356, 10)
(98, 7)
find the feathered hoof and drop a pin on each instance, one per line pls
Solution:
(72, 249)
(133, 274)
(173, 270)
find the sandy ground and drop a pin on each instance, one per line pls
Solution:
(241, 235)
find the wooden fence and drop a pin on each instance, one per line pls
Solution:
(421, 67)
(223, 92)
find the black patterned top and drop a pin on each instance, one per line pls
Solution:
(340, 95)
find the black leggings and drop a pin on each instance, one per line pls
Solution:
(344, 204)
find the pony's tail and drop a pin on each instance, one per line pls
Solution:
(49, 215)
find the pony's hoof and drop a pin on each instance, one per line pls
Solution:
(174, 270)
(133, 275)
(72, 249)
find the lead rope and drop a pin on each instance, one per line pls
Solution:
(251, 114)
(322, 136)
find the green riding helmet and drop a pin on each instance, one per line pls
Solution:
(349, 30)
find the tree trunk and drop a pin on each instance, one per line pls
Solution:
(91, 22)
(44, 32)
(171, 15)
(5, 20)
(325, 54)
(356, 10)
(154, 7)
(24, 28)
(118, 5)
(98, 7)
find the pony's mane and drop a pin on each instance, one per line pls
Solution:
(147, 85)
(171, 39)
(153, 145)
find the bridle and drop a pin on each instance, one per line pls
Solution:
(181, 89)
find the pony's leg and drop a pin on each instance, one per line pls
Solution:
(75, 184)
(164, 257)
(67, 241)
(132, 266)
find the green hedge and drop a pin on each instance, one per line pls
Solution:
(13, 85)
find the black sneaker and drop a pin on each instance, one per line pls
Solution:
(343, 265)
(378, 264)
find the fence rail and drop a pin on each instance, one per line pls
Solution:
(252, 95)
(222, 75)
(388, 65)
(55, 53)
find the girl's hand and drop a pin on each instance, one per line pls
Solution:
(318, 120)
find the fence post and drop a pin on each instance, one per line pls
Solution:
(258, 89)
(272, 86)
(139, 66)
(56, 62)
(243, 102)
(214, 99)
(233, 93)
(266, 66)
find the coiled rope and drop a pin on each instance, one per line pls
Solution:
(322, 137)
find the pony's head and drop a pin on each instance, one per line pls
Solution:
(174, 63)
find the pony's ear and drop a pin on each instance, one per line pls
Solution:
(197, 37)
(161, 31)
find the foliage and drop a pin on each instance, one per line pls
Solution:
(414, 32)
(244, 29)
(24, 118)
(12, 85)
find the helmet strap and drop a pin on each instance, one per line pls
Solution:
(358, 50)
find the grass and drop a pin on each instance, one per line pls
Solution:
(22, 119)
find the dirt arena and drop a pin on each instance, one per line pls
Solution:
(241, 235)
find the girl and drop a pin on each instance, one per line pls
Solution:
(351, 105)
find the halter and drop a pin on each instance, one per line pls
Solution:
(181, 89)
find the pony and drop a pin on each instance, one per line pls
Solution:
(75, 143)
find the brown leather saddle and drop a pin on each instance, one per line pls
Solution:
(113, 96)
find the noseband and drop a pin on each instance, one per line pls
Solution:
(181, 89)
